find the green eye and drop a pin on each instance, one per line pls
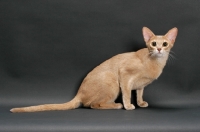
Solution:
(165, 44)
(154, 44)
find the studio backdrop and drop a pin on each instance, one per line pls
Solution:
(47, 47)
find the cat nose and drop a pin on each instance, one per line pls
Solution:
(159, 49)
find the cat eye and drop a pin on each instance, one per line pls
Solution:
(153, 43)
(165, 44)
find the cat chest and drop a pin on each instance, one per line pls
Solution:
(152, 71)
(141, 82)
(144, 79)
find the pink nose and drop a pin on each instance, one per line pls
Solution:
(159, 49)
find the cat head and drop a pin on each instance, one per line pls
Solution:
(159, 45)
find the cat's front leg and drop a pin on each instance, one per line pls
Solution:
(126, 85)
(127, 102)
(140, 100)
(126, 96)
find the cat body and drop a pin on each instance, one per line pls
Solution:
(121, 73)
(117, 73)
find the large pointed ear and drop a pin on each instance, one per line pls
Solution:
(147, 34)
(171, 34)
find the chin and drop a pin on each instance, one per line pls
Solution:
(158, 55)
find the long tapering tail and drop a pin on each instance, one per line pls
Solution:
(74, 103)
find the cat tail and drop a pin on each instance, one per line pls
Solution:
(74, 103)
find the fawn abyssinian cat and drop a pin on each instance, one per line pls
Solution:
(121, 73)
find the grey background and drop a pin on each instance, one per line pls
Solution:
(47, 47)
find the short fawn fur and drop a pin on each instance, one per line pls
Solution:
(121, 73)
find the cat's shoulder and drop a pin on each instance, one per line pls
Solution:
(140, 52)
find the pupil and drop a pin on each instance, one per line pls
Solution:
(165, 44)
(154, 43)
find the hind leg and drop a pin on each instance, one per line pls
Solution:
(107, 101)
(103, 94)
(106, 106)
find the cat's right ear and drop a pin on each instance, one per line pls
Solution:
(147, 34)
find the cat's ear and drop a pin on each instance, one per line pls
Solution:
(171, 34)
(147, 34)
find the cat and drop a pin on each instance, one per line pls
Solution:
(121, 73)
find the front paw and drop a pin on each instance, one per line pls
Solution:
(142, 104)
(129, 107)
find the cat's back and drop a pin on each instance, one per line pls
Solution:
(122, 60)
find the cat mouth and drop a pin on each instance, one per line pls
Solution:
(159, 54)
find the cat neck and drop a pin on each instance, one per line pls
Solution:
(159, 60)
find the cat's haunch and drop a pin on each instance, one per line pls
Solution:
(121, 73)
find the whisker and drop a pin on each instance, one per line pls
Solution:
(150, 53)
(171, 57)
(172, 52)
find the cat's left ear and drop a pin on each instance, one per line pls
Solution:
(171, 35)
(147, 34)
